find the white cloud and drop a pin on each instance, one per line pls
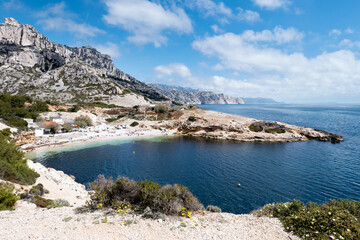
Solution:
(248, 15)
(172, 69)
(109, 48)
(220, 10)
(67, 25)
(335, 32)
(216, 28)
(271, 4)
(273, 72)
(12, 4)
(209, 7)
(278, 35)
(55, 17)
(349, 44)
(146, 21)
(349, 31)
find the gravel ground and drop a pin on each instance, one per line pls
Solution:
(29, 222)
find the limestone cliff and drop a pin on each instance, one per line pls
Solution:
(31, 64)
(192, 96)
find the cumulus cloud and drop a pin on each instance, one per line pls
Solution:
(109, 48)
(248, 15)
(278, 35)
(220, 10)
(56, 17)
(172, 69)
(216, 28)
(209, 7)
(347, 43)
(146, 21)
(271, 4)
(335, 32)
(349, 31)
(276, 72)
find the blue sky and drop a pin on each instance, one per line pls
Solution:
(290, 50)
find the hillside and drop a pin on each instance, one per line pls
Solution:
(195, 96)
(31, 64)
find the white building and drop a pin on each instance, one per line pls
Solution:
(39, 132)
(58, 120)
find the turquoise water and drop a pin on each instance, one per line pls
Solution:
(268, 172)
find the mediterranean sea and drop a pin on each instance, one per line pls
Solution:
(268, 172)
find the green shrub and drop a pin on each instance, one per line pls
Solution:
(134, 124)
(59, 203)
(75, 108)
(13, 165)
(38, 190)
(255, 128)
(168, 199)
(68, 127)
(214, 209)
(337, 219)
(126, 91)
(149, 191)
(160, 109)
(39, 106)
(83, 121)
(42, 202)
(7, 197)
(109, 120)
(148, 213)
(102, 190)
(53, 127)
(192, 118)
(126, 189)
(13, 109)
(275, 130)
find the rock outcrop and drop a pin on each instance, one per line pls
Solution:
(31, 64)
(214, 125)
(192, 96)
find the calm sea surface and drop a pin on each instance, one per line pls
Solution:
(276, 172)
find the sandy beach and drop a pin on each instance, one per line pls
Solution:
(90, 136)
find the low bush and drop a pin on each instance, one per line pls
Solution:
(83, 121)
(7, 197)
(134, 124)
(13, 109)
(109, 120)
(214, 209)
(38, 190)
(275, 130)
(192, 119)
(170, 199)
(42, 202)
(160, 109)
(59, 203)
(68, 127)
(337, 219)
(255, 128)
(75, 108)
(13, 165)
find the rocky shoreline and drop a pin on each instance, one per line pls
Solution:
(215, 125)
(29, 222)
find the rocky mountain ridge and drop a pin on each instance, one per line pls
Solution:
(195, 96)
(31, 64)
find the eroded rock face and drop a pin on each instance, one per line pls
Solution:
(192, 96)
(31, 64)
